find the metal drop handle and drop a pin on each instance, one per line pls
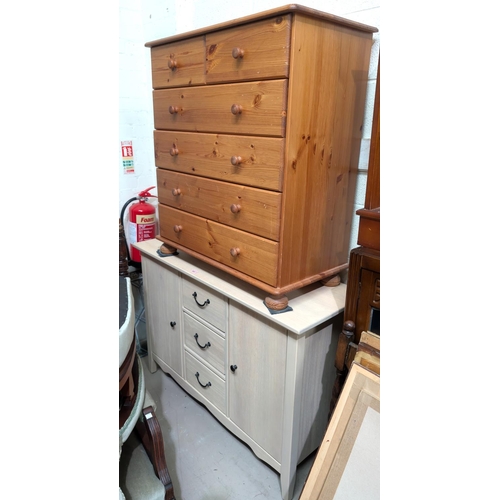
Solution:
(204, 303)
(208, 344)
(197, 375)
(233, 368)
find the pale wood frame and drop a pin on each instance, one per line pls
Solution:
(361, 391)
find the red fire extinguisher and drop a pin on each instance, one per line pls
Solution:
(142, 222)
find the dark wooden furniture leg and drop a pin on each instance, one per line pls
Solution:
(345, 338)
(149, 431)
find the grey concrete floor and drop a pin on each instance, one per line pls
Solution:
(205, 460)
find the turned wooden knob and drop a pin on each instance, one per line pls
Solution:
(177, 228)
(176, 191)
(173, 110)
(236, 160)
(238, 53)
(349, 328)
(235, 251)
(174, 151)
(236, 109)
(172, 64)
(235, 208)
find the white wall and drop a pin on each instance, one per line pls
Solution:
(145, 20)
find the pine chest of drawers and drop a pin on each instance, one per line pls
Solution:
(257, 135)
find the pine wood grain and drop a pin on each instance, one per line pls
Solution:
(257, 258)
(278, 11)
(329, 72)
(188, 57)
(199, 108)
(209, 155)
(265, 47)
(293, 75)
(258, 210)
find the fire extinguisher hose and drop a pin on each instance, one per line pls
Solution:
(121, 220)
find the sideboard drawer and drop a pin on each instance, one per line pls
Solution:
(253, 52)
(253, 161)
(205, 303)
(245, 252)
(247, 208)
(205, 343)
(255, 108)
(206, 382)
(179, 63)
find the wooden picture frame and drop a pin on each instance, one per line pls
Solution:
(347, 465)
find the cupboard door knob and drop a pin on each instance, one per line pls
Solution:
(235, 251)
(236, 160)
(236, 109)
(174, 151)
(233, 368)
(172, 323)
(235, 208)
(177, 228)
(238, 53)
(176, 191)
(173, 110)
(172, 63)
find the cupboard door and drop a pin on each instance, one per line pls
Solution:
(163, 313)
(256, 377)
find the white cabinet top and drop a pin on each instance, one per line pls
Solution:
(311, 305)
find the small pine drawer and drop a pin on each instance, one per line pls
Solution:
(256, 51)
(205, 303)
(178, 64)
(206, 382)
(204, 342)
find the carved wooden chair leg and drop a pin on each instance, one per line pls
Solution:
(342, 354)
(152, 439)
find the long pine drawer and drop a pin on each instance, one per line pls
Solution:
(254, 161)
(245, 252)
(255, 108)
(254, 210)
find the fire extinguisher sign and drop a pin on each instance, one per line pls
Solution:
(127, 157)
